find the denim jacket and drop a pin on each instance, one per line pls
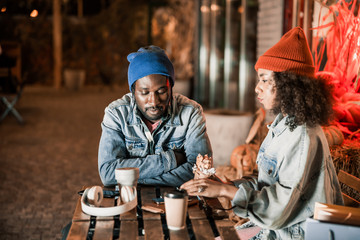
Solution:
(127, 142)
(295, 171)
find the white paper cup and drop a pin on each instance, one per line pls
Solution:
(127, 176)
(176, 209)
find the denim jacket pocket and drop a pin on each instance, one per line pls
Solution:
(268, 164)
(173, 144)
(135, 146)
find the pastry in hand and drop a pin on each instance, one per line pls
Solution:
(203, 167)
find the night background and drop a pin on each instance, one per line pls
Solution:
(64, 61)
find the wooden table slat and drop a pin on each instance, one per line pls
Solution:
(129, 216)
(226, 229)
(79, 215)
(147, 194)
(179, 234)
(128, 230)
(153, 230)
(104, 230)
(202, 229)
(195, 212)
(78, 230)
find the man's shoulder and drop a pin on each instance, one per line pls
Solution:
(183, 101)
(123, 102)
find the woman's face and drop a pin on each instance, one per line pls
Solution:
(265, 88)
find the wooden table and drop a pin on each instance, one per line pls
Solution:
(140, 224)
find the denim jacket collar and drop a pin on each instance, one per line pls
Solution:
(135, 117)
(278, 126)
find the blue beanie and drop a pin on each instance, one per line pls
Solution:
(149, 60)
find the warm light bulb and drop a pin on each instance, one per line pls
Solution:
(3, 9)
(204, 9)
(215, 7)
(34, 13)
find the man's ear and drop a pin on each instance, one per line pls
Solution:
(133, 88)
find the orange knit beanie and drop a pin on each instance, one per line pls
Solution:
(291, 53)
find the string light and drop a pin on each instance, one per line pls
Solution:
(34, 13)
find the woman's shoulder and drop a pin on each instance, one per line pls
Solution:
(304, 131)
(304, 136)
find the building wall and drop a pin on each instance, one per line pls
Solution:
(270, 24)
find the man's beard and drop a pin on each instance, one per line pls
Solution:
(153, 118)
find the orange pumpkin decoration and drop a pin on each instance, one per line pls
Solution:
(243, 159)
(333, 135)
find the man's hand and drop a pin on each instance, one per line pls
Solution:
(180, 156)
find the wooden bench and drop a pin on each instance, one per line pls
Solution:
(352, 182)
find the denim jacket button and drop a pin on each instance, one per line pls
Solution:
(270, 171)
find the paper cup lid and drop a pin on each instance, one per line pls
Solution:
(176, 194)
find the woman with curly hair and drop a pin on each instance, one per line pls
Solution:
(295, 168)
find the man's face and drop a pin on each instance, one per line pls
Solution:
(152, 95)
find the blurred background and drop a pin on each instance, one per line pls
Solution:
(212, 43)
(63, 61)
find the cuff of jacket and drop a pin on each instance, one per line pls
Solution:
(240, 202)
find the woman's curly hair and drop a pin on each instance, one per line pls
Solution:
(305, 100)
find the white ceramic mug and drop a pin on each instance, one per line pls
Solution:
(127, 176)
(176, 203)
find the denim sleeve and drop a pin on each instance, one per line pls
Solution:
(251, 181)
(263, 207)
(196, 142)
(113, 154)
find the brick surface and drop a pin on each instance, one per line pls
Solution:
(48, 159)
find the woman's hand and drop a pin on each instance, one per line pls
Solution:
(209, 188)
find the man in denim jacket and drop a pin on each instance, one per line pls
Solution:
(151, 128)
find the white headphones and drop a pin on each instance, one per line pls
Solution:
(92, 198)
